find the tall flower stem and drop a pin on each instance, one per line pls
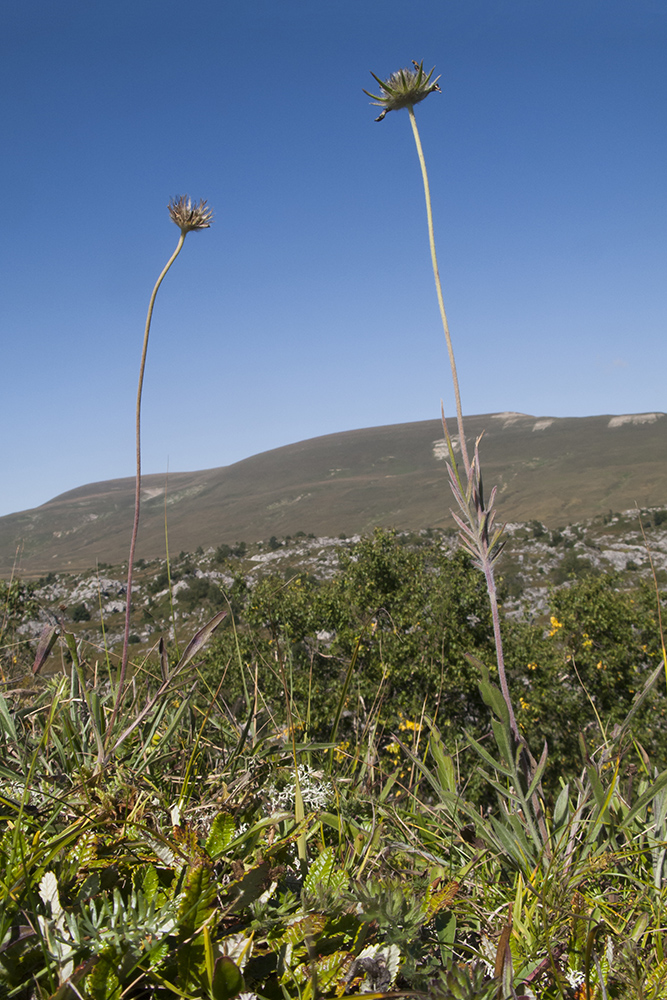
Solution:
(137, 489)
(475, 518)
(471, 498)
(438, 288)
(189, 217)
(476, 526)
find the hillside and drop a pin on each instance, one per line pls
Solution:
(557, 470)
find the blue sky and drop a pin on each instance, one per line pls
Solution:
(308, 307)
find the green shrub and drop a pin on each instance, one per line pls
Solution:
(572, 566)
(201, 592)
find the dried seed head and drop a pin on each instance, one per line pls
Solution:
(403, 89)
(188, 216)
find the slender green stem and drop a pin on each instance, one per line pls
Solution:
(137, 491)
(438, 288)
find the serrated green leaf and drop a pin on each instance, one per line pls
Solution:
(196, 899)
(102, 982)
(320, 870)
(302, 927)
(150, 883)
(221, 834)
(157, 955)
(332, 969)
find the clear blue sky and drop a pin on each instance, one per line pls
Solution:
(309, 307)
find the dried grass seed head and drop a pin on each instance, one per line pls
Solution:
(404, 88)
(190, 216)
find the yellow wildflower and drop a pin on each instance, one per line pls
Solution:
(555, 625)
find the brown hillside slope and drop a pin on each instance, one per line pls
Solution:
(557, 470)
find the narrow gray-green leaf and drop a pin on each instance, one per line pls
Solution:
(200, 639)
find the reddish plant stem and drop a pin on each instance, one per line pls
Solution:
(137, 494)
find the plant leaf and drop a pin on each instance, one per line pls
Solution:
(199, 640)
(46, 643)
(220, 835)
(227, 980)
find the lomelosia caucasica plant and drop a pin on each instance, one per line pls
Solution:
(475, 518)
(190, 217)
(529, 840)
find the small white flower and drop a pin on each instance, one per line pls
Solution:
(316, 791)
(574, 978)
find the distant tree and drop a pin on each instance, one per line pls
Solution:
(161, 581)
(571, 567)
(201, 591)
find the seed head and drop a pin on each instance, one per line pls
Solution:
(188, 216)
(403, 89)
